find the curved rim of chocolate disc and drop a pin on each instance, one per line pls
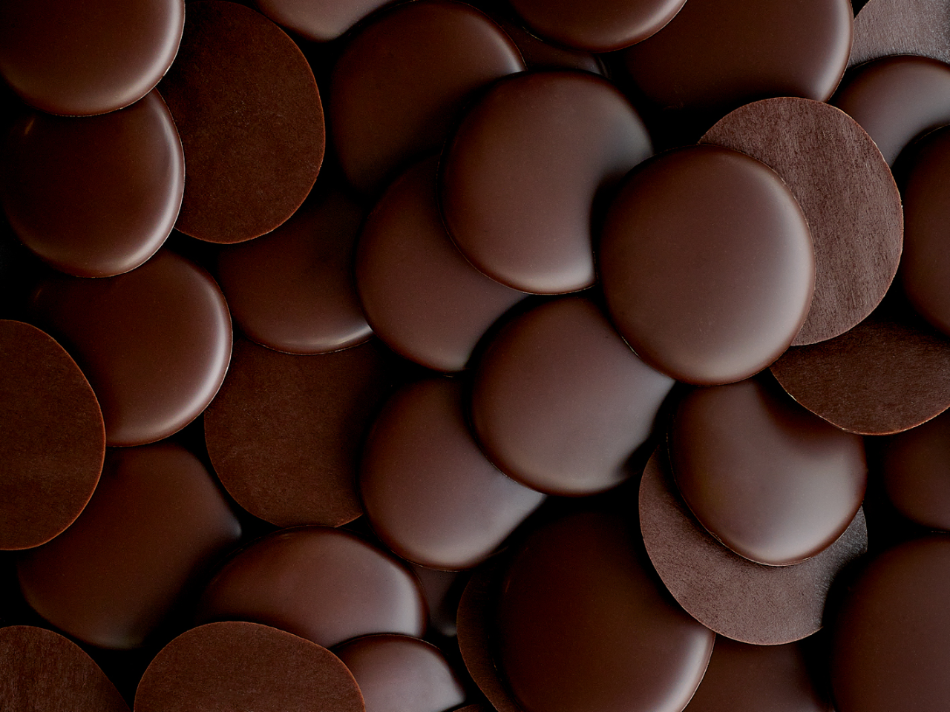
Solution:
(889, 27)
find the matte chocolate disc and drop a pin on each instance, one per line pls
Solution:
(707, 264)
(223, 667)
(42, 670)
(890, 27)
(742, 600)
(320, 20)
(429, 493)
(420, 294)
(293, 290)
(403, 80)
(890, 638)
(154, 343)
(521, 212)
(325, 585)
(397, 673)
(560, 403)
(284, 434)
(583, 624)
(76, 58)
(154, 525)
(847, 193)
(53, 440)
(249, 114)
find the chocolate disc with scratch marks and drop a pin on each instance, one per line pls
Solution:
(892, 27)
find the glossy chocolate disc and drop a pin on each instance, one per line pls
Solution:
(53, 440)
(521, 212)
(404, 78)
(420, 294)
(707, 264)
(560, 403)
(847, 193)
(891, 27)
(154, 343)
(539, 53)
(223, 667)
(154, 525)
(249, 114)
(325, 585)
(75, 58)
(318, 20)
(742, 600)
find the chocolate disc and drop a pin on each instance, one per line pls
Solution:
(847, 193)
(319, 21)
(890, 27)
(560, 403)
(54, 439)
(249, 114)
(521, 212)
(541, 54)
(421, 296)
(742, 600)
(707, 265)
(322, 584)
(154, 343)
(223, 667)
(69, 57)
(155, 523)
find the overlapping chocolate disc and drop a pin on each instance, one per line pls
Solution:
(319, 21)
(893, 27)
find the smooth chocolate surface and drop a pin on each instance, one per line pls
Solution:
(542, 54)
(893, 27)
(707, 264)
(319, 21)
(442, 591)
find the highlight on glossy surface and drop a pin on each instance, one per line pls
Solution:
(320, 20)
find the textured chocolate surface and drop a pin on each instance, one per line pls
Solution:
(891, 27)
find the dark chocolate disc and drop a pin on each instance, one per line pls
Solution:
(521, 212)
(70, 57)
(154, 343)
(891, 27)
(735, 597)
(249, 114)
(583, 624)
(560, 403)
(847, 193)
(223, 667)
(155, 523)
(325, 585)
(284, 434)
(403, 80)
(541, 54)
(707, 264)
(420, 295)
(320, 20)
(293, 290)
(53, 440)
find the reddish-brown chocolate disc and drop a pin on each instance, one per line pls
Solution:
(249, 114)
(847, 194)
(53, 440)
(322, 584)
(154, 525)
(892, 27)
(284, 434)
(320, 20)
(95, 196)
(223, 667)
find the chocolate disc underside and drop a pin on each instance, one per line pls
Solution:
(891, 27)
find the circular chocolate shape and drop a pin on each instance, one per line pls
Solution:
(70, 57)
(249, 114)
(707, 265)
(583, 624)
(293, 290)
(560, 403)
(403, 80)
(284, 435)
(716, 55)
(54, 439)
(846, 192)
(884, 376)
(735, 597)
(97, 196)
(890, 639)
(765, 477)
(320, 20)
(420, 295)
(42, 670)
(322, 584)
(521, 212)
(242, 666)
(397, 673)
(896, 99)
(155, 523)
(154, 343)
(892, 27)
(429, 493)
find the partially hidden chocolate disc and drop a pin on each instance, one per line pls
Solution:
(319, 21)
(892, 27)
